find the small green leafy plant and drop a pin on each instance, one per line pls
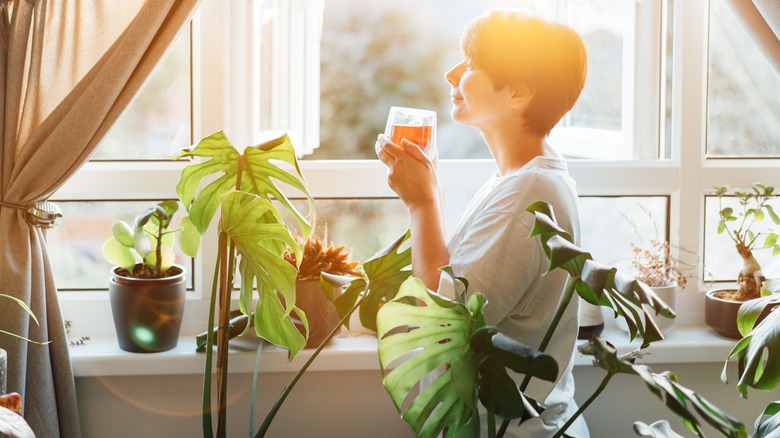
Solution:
(145, 250)
(754, 205)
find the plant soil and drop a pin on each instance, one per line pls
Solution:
(141, 271)
(730, 295)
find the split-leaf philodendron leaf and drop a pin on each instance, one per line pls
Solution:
(681, 400)
(596, 283)
(770, 427)
(758, 355)
(258, 166)
(251, 222)
(385, 272)
(450, 343)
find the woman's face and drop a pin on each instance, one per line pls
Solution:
(474, 99)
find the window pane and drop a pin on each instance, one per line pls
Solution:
(378, 54)
(743, 105)
(610, 225)
(75, 246)
(364, 226)
(157, 124)
(721, 260)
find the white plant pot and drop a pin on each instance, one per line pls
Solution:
(669, 296)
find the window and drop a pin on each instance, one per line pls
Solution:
(658, 108)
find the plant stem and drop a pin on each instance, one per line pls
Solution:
(208, 428)
(491, 425)
(567, 296)
(223, 336)
(585, 405)
(272, 413)
(570, 288)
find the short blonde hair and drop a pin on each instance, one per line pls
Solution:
(516, 48)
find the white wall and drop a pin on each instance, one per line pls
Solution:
(354, 404)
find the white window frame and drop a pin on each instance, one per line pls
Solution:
(222, 99)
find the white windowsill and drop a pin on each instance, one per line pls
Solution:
(103, 357)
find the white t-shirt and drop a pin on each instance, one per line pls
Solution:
(490, 247)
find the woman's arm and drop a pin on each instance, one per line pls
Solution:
(412, 175)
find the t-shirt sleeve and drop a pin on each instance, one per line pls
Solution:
(498, 259)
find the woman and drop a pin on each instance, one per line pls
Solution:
(520, 74)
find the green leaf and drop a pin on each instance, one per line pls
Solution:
(769, 428)
(726, 212)
(681, 400)
(757, 356)
(439, 331)
(466, 360)
(773, 215)
(759, 215)
(118, 254)
(168, 258)
(751, 310)
(189, 238)
(770, 240)
(253, 224)
(386, 271)
(123, 233)
(566, 255)
(274, 324)
(721, 227)
(170, 208)
(721, 190)
(257, 167)
(498, 392)
(355, 286)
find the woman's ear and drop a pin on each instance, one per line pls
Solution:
(521, 96)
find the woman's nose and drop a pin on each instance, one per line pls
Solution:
(453, 74)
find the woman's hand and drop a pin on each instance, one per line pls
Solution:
(411, 174)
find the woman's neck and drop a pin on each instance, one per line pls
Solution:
(513, 148)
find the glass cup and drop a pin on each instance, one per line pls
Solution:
(416, 125)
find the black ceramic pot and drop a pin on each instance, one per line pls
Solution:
(148, 312)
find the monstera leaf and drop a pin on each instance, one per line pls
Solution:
(596, 283)
(253, 225)
(757, 356)
(257, 166)
(450, 343)
(681, 400)
(385, 272)
(769, 428)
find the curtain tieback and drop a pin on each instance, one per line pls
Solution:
(41, 214)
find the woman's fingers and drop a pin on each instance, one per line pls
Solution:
(414, 151)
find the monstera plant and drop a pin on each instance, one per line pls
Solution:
(422, 335)
(253, 239)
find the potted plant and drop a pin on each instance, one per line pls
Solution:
(147, 289)
(654, 266)
(722, 304)
(310, 296)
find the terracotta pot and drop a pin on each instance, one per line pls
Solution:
(668, 294)
(147, 312)
(320, 312)
(721, 314)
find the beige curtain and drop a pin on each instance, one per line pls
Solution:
(761, 19)
(68, 68)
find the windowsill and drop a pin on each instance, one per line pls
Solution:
(103, 357)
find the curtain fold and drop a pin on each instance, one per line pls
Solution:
(761, 20)
(67, 71)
